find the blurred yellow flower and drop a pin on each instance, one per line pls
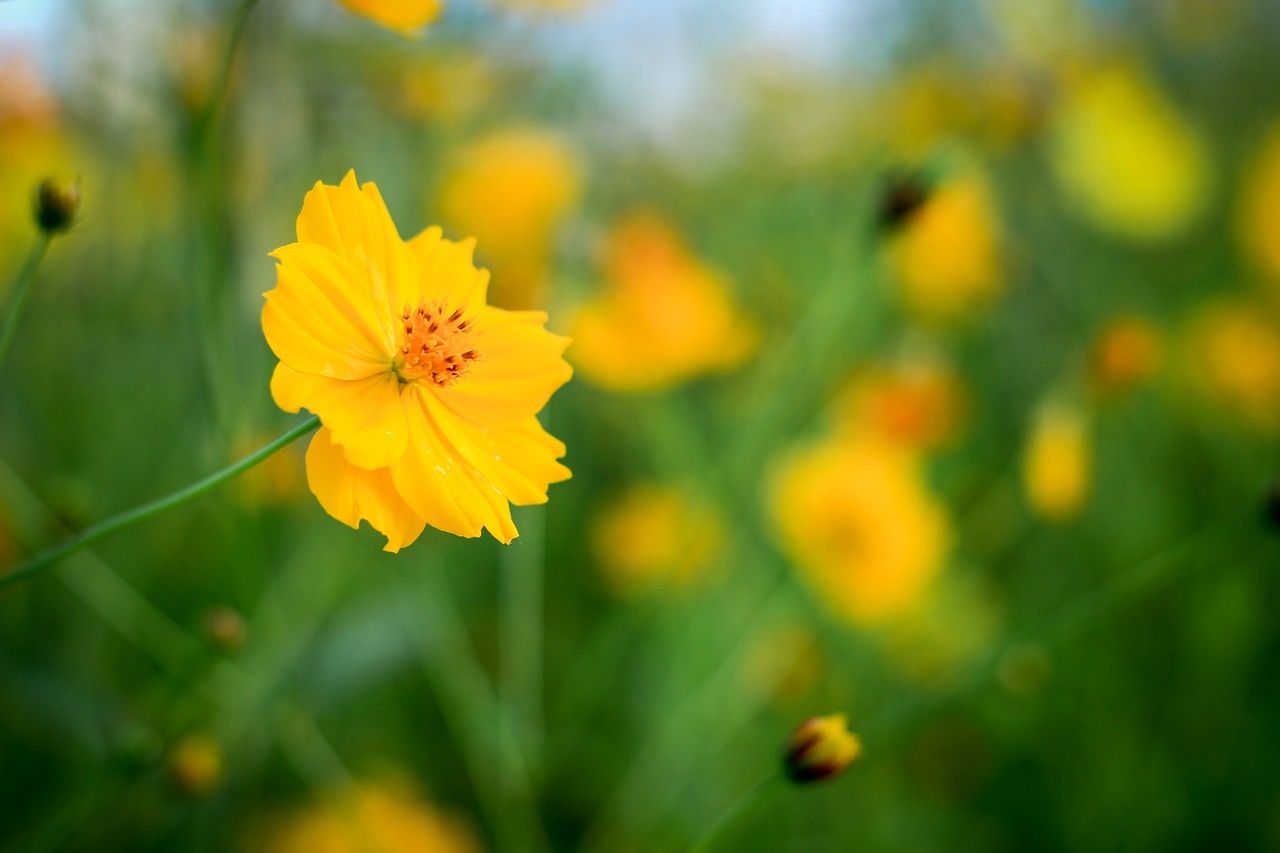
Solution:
(665, 317)
(512, 190)
(451, 87)
(196, 765)
(428, 395)
(369, 819)
(1057, 461)
(947, 254)
(1259, 216)
(404, 16)
(655, 536)
(919, 403)
(1127, 158)
(1125, 353)
(1234, 357)
(856, 517)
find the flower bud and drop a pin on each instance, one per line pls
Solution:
(225, 629)
(820, 748)
(196, 765)
(901, 196)
(57, 203)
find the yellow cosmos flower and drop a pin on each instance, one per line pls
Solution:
(1259, 217)
(665, 318)
(855, 515)
(947, 254)
(427, 395)
(372, 817)
(1127, 158)
(1057, 461)
(403, 16)
(1234, 357)
(654, 535)
(511, 190)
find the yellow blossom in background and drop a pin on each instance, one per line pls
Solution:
(1233, 356)
(512, 190)
(859, 522)
(371, 818)
(1057, 461)
(404, 16)
(654, 536)
(919, 403)
(1258, 219)
(197, 765)
(443, 86)
(946, 256)
(427, 395)
(664, 317)
(1127, 158)
(1125, 354)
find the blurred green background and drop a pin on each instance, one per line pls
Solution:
(928, 370)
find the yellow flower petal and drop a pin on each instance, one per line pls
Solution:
(403, 16)
(436, 480)
(447, 271)
(521, 369)
(352, 494)
(365, 416)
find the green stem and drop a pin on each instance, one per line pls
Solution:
(106, 527)
(732, 812)
(22, 286)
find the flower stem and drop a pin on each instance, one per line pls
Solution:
(22, 289)
(731, 813)
(106, 527)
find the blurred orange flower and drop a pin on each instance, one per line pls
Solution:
(428, 395)
(369, 818)
(512, 190)
(855, 515)
(919, 403)
(1234, 349)
(655, 535)
(1127, 158)
(1125, 354)
(947, 254)
(404, 16)
(1057, 461)
(664, 319)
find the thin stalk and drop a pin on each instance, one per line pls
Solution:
(520, 672)
(106, 527)
(22, 289)
(732, 812)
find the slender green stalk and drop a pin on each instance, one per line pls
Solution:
(521, 641)
(106, 527)
(733, 811)
(22, 289)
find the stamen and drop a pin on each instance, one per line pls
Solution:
(437, 342)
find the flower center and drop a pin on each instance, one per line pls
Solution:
(433, 344)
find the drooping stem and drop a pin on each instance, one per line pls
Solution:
(106, 527)
(22, 289)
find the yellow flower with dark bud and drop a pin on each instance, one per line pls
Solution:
(370, 817)
(946, 256)
(1057, 461)
(665, 318)
(1127, 158)
(820, 748)
(427, 395)
(511, 190)
(404, 16)
(857, 519)
(653, 536)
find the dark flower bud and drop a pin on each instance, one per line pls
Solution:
(57, 203)
(820, 748)
(901, 197)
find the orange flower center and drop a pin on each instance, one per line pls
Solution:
(433, 344)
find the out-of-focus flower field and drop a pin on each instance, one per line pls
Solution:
(926, 370)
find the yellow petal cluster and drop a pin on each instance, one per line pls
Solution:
(665, 317)
(858, 520)
(655, 535)
(1233, 350)
(1057, 461)
(404, 16)
(511, 190)
(368, 818)
(1259, 215)
(946, 256)
(1127, 158)
(428, 396)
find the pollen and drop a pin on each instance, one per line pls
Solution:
(434, 344)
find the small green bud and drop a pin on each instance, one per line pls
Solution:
(57, 203)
